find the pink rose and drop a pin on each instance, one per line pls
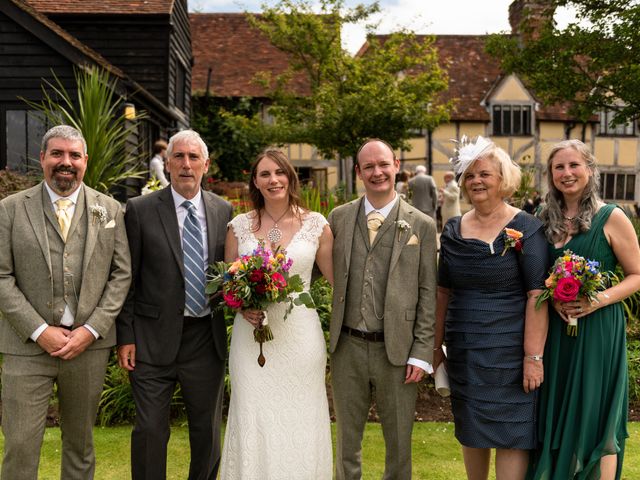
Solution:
(278, 280)
(232, 301)
(567, 289)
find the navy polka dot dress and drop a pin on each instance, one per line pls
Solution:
(484, 332)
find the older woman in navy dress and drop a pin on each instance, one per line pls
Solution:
(493, 263)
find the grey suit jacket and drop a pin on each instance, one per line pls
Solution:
(410, 301)
(26, 284)
(152, 317)
(424, 194)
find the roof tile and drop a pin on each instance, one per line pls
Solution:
(140, 7)
(235, 51)
(472, 74)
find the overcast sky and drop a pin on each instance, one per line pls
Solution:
(421, 16)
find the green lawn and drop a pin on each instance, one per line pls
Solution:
(436, 454)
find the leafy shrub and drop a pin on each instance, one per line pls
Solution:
(633, 359)
(322, 294)
(316, 201)
(116, 403)
(117, 407)
(12, 182)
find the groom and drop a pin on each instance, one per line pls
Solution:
(382, 326)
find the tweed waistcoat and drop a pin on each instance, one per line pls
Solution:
(368, 273)
(66, 260)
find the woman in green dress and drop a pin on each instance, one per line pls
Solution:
(583, 407)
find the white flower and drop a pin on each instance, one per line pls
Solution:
(402, 227)
(98, 213)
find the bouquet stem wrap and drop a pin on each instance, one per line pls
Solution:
(262, 334)
(572, 326)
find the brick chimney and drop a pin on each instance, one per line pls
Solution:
(528, 17)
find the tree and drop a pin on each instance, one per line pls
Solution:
(96, 110)
(233, 130)
(388, 91)
(593, 63)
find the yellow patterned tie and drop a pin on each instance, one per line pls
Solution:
(64, 220)
(374, 222)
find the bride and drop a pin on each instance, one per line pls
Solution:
(278, 425)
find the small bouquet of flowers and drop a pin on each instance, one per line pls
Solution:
(254, 282)
(571, 276)
(512, 239)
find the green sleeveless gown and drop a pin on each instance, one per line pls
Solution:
(584, 398)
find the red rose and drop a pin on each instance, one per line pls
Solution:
(256, 276)
(518, 246)
(567, 289)
(278, 280)
(232, 301)
(261, 288)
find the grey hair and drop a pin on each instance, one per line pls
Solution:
(188, 136)
(552, 216)
(421, 169)
(510, 173)
(63, 131)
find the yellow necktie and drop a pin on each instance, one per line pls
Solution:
(64, 220)
(374, 222)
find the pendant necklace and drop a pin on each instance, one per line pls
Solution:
(274, 235)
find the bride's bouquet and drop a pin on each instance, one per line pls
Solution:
(570, 276)
(256, 281)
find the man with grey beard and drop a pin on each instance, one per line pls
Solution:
(65, 271)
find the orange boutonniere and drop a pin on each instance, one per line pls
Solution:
(512, 239)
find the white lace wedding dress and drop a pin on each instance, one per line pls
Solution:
(278, 425)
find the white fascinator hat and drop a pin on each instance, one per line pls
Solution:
(468, 150)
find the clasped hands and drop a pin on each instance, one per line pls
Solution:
(578, 308)
(65, 344)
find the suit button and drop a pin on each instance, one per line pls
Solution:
(66, 254)
(61, 310)
(180, 311)
(342, 299)
(48, 304)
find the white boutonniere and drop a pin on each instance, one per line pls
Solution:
(402, 226)
(98, 214)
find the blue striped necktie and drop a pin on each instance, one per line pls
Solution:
(194, 267)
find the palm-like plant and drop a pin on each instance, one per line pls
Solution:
(96, 112)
